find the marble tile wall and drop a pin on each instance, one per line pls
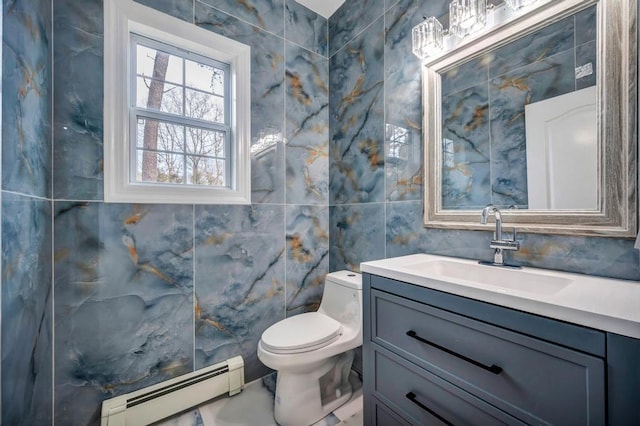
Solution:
(26, 270)
(144, 293)
(373, 215)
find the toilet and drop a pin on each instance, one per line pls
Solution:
(313, 352)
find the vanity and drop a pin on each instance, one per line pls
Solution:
(449, 341)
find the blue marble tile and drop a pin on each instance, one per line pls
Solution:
(78, 96)
(306, 28)
(586, 54)
(239, 269)
(548, 41)
(307, 237)
(182, 9)
(266, 14)
(586, 25)
(403, 104)
(466, 149)
(465, 75)
(356, 120)
(26, 97)
(605, 257)
(267, 100)
(123, 302)
(509, 93)
(357, 235)
(405, 234)
(307, 114)
(27, 327)
(350, 19)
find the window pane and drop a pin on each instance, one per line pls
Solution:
(158, 64)
(204, 106)
(153, 134)
(205, 142)
(204, 77)
(160, 167)
(205, 171)
(159, 96)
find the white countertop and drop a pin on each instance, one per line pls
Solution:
(601, 303)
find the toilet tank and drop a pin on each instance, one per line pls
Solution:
(342, 298)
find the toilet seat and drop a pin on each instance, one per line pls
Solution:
(301, 333)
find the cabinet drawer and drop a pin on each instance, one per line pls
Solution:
(383, 416)
(533, 380)
(426, 399)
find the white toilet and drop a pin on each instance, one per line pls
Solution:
(313, 352)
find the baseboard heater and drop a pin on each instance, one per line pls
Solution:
(165, 399)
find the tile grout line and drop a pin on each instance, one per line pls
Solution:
(52, 207)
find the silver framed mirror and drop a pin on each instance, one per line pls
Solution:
(466, 169)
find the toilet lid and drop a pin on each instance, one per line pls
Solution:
(301, 333)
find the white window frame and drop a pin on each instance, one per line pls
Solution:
(125, 17)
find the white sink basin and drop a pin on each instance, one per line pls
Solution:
(494, 276)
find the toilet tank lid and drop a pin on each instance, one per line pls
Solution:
(346, 279)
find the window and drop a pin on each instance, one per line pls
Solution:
(176, 110)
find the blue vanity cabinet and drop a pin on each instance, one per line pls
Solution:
(436, 358)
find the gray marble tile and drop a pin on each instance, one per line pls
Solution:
(123, 302)
(307, 156)
(356, 120)
(307, 238)
(182, 9)
(350, 19)
(548, 41)
(509, 93)
(27, 323)
(466, 149)
(26, 97)
(266, 14)
(239, 269)
(306, 28)
(267, 100)
(78, 96)
(357, 235)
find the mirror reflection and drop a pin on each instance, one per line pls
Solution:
(519, 123)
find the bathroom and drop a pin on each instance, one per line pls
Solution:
(101, 299)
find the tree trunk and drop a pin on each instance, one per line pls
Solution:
(156, 90)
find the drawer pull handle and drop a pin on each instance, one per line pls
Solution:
(493, 368)
(412, 397)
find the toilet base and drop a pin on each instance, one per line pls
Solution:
(304, 398)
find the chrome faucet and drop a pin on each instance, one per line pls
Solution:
(498, 244)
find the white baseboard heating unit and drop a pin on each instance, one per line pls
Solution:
(170, 397)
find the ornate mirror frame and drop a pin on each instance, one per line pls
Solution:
(616, 215)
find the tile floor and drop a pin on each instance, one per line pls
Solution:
(254, 407)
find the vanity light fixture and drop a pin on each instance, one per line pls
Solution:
(519, 4)
(467, 16)
(429, 38)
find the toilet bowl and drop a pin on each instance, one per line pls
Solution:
(313, 352)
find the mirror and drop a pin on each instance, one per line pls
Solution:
(540, 114)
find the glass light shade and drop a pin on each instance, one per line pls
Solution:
(519, 4)
(467, 16)
(427, 37)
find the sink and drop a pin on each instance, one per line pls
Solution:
(484, 275)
